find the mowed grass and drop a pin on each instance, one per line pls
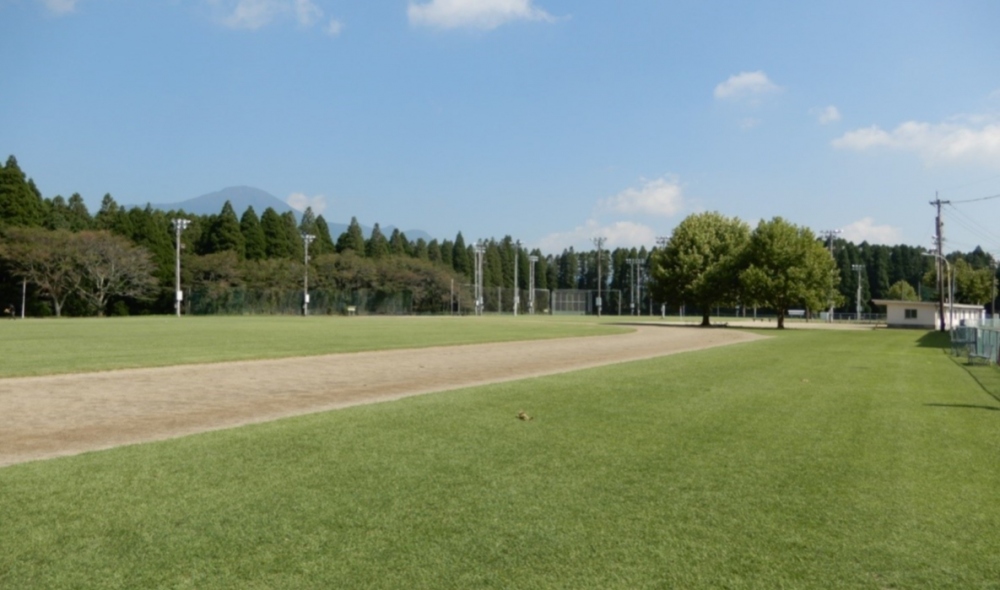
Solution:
(808, 460)
(38, 347)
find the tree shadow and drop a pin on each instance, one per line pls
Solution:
(940, 340)
(969, 406)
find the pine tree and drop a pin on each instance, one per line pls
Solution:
(223, 233)
(377, 246)
(353, 239)
(324, 241)
(21, 204)
(398, 244)
(292, 234)
(276, 243)
(308, 223)
(434, 251)
(79, 216)
(255, 244)
(421, 250)
(460, 257)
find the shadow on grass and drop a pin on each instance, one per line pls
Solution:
(969, 406)
(935, 340)
(988, 378)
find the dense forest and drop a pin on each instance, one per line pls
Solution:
(61, 259)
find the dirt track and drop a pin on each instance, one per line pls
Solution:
(43, 417)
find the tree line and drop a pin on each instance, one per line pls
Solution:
(121, 261)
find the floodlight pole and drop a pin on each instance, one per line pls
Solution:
(517, 297)
(858, 268)
(306, 240)
(180, 224)
(599, 242)
(480, 249)
(531, 285)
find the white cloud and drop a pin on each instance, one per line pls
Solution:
(663, 197)
(477, 14)
(749, 123)
(307, 13)
(827, 115)
(962, 139)
(334, 27)
(746, 85)
(299, 202)
(619, 234)
(865, 230)
(60, 7)
(255, 14)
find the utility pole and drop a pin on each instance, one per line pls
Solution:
(599, 242)
(829, 233)
(939, 242)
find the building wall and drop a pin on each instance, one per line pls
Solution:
(927, 316)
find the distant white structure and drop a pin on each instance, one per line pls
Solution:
(924, 314)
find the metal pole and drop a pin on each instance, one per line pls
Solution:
(631, 269)
(858, 268)
(517, 251)
(531, 285)
(180, 224)
(829, 236)
(24, 295)
(306, 240)
(599, 242)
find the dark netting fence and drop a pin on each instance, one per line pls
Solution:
(240, 301)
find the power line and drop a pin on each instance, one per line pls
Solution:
(973, 200)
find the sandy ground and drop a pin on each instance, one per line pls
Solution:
(42, 417)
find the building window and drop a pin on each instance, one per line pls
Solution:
(910, 314)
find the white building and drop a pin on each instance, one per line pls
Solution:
(924, 314)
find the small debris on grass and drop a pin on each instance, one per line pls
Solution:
(805, 381)
(522, 415)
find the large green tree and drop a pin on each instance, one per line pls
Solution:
(223, 233)
(699, 264)
(21, 203)
(377, 246)
(352, 240)
(255, 244)
(784, 266)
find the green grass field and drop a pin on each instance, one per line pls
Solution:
(808, 460)
(39, 347)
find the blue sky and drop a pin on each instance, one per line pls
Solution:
(549, 120)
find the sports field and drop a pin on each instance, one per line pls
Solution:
(810, 459)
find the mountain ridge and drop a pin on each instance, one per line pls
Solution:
(241, 197)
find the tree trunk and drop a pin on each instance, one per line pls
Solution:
(781, 319)
(705, 320)
(58, 306)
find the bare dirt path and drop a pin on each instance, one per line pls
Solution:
(43, 417)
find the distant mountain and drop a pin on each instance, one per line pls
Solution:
(242, 197)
